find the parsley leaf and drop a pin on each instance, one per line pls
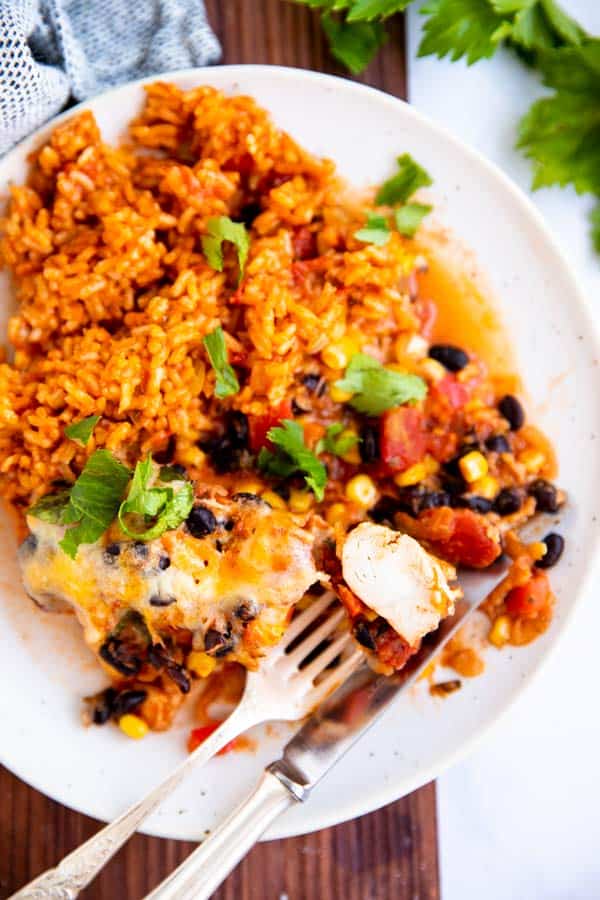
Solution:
(335, 442)
(409, 217)
(457, 28)
(292, 455)
(226, 382)
(375, 230)
(82, 431)
(168, 507)
(367, 10)
(353, 43)
(561, 133)
(94, 500)
(222, 228)
(51, 508)
(376, 388)
(409, 178)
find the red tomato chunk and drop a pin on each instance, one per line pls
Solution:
(529, 600)
(402, 438)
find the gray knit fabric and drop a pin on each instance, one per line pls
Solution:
(54, 50)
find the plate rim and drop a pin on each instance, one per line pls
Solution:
(388, 792)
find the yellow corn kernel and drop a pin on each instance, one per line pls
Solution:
(486, 487)
(274, 500)
(336, 513)
(432, 370)
(431, 465)
(300, 501)
(192, 456)
(338, 354)
(533, 460)
(410, 345)
(352, 455)
(361, 490)
(338, 395)
(133, 726)
(500, 631)
(473, 466)
(201, 664)
(249, 487)
(412, 475)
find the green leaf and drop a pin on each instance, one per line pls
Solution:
(458, 28)
(409, 217)
(222, 228)
(409, 178)
(353, 43)
(564, 26)
(375, 231)
(292, 455)
(335, 442)
(537, 24)
(169, 508)
(561, 133)
(595, 222)
(171, 473)
(367, 10)
(94, 500)
(226, 383)
(51, 508)
(82, 431)
(376, 388)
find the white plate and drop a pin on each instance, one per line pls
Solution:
(43, 668)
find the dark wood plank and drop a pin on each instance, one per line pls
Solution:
(389, 854)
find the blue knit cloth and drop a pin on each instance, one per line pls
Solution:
(55, 50)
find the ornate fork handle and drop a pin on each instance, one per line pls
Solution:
(77, 869)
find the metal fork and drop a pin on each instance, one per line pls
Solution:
(290, 682)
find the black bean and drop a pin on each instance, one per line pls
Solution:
(120, 656)
(508, 501)
(512, 411)
(545, 495)
(218, 643)
(452, 467)
(555, 544)
(497, 443)
(236, 426)
(474, 502)
(452, 358)
(157, 600)
(201, 521)
(247, 497)
(246, 611)
(164, 562)
(166, 455)
(385, 509)
(227, 524)
(249, 212)
(224, 455)
(179, 675)
(127, 701)
(363, 635)
(369, 443)
(103, 708)
(434, 499)
(283, 489)
(409, 500)
(113, 549)
(311, 381)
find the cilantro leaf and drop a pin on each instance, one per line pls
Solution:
(408, 179)
(172, 473)
(82, 431)
(561, 133)
(222, 228)
(409, 217)
(457, 28)
(353, 43)
(168, 507)
(537, 24)
(595, 221)
(335, 442)
(376, 388)
(367, 10)
(226, 382)
(51, 508)
(94, 500)
(375, 230)
(292, 455)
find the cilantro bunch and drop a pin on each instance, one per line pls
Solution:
(560, 134)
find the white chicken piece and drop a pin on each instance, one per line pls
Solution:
(393, 575)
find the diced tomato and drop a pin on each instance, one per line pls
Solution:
(442, 445)
(426, 312)
(392, 649)
(260, 425)
(199, 735)
(402, 438)
(455, 392)
(304, 243)
(529, 600)
(460, 536)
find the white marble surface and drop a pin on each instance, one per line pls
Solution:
(520, 818)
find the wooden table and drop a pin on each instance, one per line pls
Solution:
(388, 855)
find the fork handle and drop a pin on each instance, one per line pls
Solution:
(77, 869)
(198, 877)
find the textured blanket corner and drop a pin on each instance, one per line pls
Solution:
(55, 50)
